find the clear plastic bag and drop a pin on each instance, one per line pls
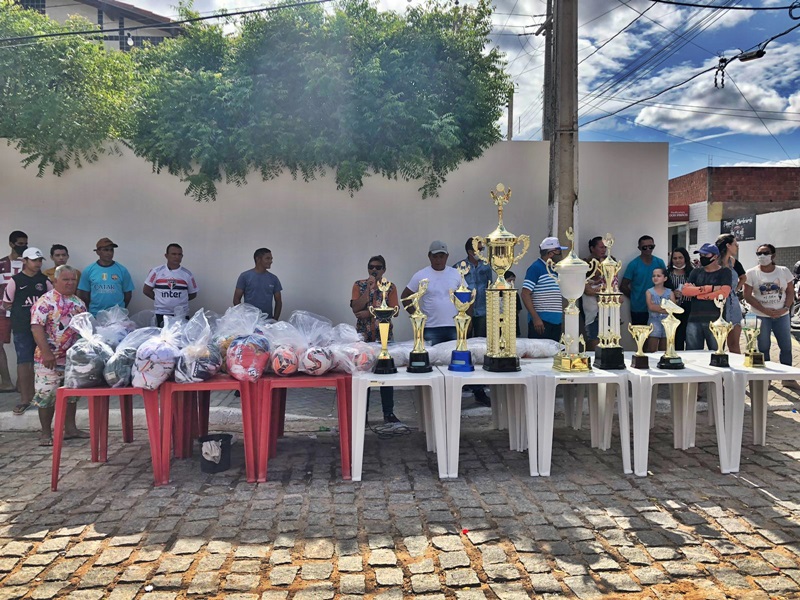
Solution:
(87, 357)
(316, 360)
(317, 330)
(198, 360)
(113, 325)
(238, 321)
(287, 345)
(247, 357)
(354, 357)
(156, 357)
(119, 368)
(144, 318)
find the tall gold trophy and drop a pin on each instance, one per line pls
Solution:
(720, 330)
(384, 313)
(608, 354)
(463, 297)
(501, 301)
(752, 357)
(640, 333)
(670, 359)
(418, 360)
(572, 282)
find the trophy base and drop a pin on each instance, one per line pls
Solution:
(461, 360)
(720, 360)
(640, 362)
(501, 364)
(419, 362)
(670, 362)
(572, 363)
(384, 366)
(754, 359)
(609, 358)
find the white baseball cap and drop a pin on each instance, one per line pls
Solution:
(551, 243)
(32, 254)
(438, 247)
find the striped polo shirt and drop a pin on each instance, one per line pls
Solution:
(545, 293)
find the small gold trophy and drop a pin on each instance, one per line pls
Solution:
(501, 302)
(463, 297)
(640, 333)
(720, 330)
(384, 313)
(418, 360)
(572, 282)
(608, 354)
(670, 359)
(752, 357)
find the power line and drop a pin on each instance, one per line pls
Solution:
(604, 44)
(717, 7)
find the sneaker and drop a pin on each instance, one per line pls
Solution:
(390, 418)
(481, 397)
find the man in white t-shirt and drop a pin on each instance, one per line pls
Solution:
(170, 286)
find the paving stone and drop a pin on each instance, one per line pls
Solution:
(481, 537)
(274, 595)
(421, 584)
(283, 575)
(113, 556)
(84, 549)
(316, 570)
(204, 583)
(175, 564)
(136, 573)
(451, 560)
(493, 554)
(730, 578)
(389, 576)
(98, 577)
(423, 566)
(501, 572)
(393, 594)
(461, 578)
(620, 582)
(380, 541)
(241, 583)
(417, 545)
(219, 547)
(16, 549)
(352, 584)
(447, 543)
(246, 566)
(351, 564)
(251, 551)
(509, 591)
(23, 576)
(382, 557)
(321, 548)
(280, 557)
(64, 570)
(316, 591)
(545, 582)
(583, 587)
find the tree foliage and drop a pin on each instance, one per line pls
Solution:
(304, 90)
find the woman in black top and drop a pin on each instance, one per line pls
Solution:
(679, 268)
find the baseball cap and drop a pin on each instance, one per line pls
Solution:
(438, 247)
(32, 254)
(105, 243)
(551, 243)
(708, 249)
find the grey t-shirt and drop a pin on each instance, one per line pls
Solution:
(259, 289)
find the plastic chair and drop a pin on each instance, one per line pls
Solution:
(431, 386)
(270, 404)
(98, 423)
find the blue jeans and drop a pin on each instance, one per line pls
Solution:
(698, 332)
(781, 328)
(437, 335)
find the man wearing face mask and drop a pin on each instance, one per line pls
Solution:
(9, 266)
(705, 284)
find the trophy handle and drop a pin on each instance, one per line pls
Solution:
(477, 241)
(372, 310)
(396, 310)
(526, 242)
(549, 265)
(594, 266)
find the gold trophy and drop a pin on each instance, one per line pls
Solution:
(720, 330)
(572, 282)
(418, 360)
(608, 354)
(463, 297)
(670, 359)
(501, 301)
(752, 357)
(384, 313)
(640, 333)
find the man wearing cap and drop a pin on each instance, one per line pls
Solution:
(170, 286)
(105, 283)
(20, 295)
(705, 284)
(436, 302)
(9, 266)
(541, 294)
(638, 278)
(60, 256)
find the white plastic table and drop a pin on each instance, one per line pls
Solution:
(517, 390)
(600, 407)
(735, 380)
(683, 394)
(431, 386)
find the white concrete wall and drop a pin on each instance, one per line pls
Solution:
(778, 229)
(321, 238)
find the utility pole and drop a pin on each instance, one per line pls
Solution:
(563, 189)
(549, 99)
(510, 133)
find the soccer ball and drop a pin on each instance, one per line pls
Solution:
(316, 361)
(284, 361)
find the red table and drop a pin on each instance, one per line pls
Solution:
(270, 405)
(98, 423)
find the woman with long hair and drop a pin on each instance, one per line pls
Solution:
(678, 273)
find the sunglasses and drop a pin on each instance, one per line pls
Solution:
(375, 267)
(763, 253)
(647, 247)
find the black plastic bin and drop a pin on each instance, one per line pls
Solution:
(207, 466)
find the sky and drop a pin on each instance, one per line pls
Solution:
(630, 50)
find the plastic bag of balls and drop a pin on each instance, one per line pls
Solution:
(198, 360)
(288, 346)
(316, 330)
(247, 357)
(119, 368)
(113, 325)
(238, 321)
(155, 358)
(355, 356)
(316, 360)
(87, 357)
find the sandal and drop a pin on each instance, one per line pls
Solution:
(46, 441)
(21, 408)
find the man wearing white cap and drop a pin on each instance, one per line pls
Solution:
(541, 294)
(21, 293)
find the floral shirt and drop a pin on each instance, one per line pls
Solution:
(54, 311)
(369, 327)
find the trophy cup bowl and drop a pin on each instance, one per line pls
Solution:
(384, 314)
(461, 358)
(640, 333)
(670, 358)
(720, 330)
(752, 357)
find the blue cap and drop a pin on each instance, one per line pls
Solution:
(708, 249)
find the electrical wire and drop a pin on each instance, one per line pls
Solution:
(717, 7)
(604, 44)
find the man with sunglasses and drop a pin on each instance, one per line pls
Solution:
(541, 294)
(639, 277)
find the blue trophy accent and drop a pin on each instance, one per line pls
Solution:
(463, 297)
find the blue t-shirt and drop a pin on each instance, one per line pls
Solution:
(259, 289)
(545, 292)
(641, 277)
(106, 285)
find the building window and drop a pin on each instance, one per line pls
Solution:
(34, 5)
(693, 236)
(100, 18)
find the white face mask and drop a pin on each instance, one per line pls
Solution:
(764, 260)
